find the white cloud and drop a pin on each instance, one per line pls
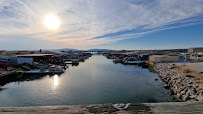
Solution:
(83, 20)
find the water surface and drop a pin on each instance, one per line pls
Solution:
(95, 81)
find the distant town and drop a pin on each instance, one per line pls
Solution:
(15, 61)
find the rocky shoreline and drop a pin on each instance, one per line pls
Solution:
(181, 87)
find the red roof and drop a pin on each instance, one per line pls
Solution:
(2, 51)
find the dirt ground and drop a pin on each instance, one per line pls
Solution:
(192, 70)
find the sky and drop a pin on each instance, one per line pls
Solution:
(109, 24)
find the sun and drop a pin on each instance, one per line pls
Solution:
(52, 22)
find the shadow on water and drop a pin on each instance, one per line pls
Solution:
(2, 89)
(22, 77)
(75, 64)
(151, 100)
(7, 79)
(143, 65)
(33, 77)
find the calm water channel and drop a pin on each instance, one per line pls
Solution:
(95, 81)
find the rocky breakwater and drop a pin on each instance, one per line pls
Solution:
(181, 87)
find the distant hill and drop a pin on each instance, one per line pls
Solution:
(66, 49)
(99, 50)
(69, 49)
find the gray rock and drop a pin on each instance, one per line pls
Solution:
(177, 98)
(199, 98)
(185, 97)
(166, 86)
(193, 96)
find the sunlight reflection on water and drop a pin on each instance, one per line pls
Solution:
(55, 81)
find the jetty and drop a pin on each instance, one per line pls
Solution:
(182, 87)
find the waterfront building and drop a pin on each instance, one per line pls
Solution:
(163, 58)
(195, 50)
(30, 58)
(2, 51)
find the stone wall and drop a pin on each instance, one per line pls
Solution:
(181, 87)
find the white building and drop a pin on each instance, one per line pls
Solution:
(163, 58)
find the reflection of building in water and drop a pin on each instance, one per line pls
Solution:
(55, 81)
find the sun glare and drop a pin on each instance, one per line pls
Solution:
(52, 22)
(55, 81)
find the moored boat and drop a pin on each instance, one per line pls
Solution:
(52, 70)
(133, 62)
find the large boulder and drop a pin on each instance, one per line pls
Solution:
(177, 98)
(185, 97)
(199, 98)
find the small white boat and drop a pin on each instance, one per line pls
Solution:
(133, 62)
(68, 62)
(37, 71)
(52, 70)
(73, 61)
(56, 69)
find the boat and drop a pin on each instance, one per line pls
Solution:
(118, 60)
(56, 69)
(68, 62)
(52, 70)
(133, 62)
(37, 71)
(82, 59)
(115, 60)
(73, 61)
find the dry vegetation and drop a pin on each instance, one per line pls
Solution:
(198, 76)
(177, 67)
